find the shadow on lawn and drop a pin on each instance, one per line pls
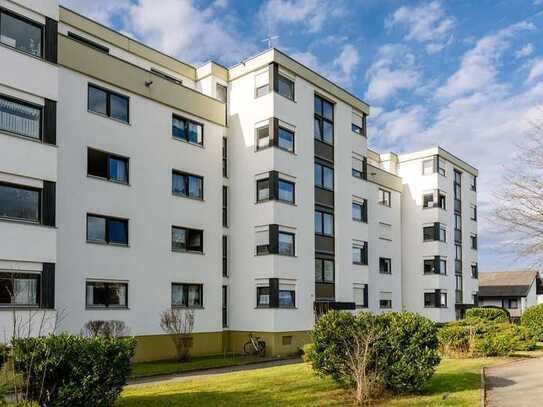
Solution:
(442, 383)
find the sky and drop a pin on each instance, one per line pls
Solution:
(465, 75)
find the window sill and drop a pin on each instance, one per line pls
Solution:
(185, 307)
(434, 207)
(189, 142)
(26, 222)
(107, 244)
(259, 149)
(105, 116)
(323, 235)
(360, 221)
(384, 205)
(96, 177)
(104, 308)
(276, 200)
(360, 264)
(189, 252)
(276, 254)
(386, 239)
(435, 274)
(192, 198)
(385, 274)
(274, 308)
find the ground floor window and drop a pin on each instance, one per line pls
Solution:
(107, 294)
(263, 297)
(287, 298)
(187, 295)
(19, 289)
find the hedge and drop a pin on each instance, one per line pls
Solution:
(495, 314)
(69, 370)
(532, 319)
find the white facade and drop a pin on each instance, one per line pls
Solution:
(269, 288)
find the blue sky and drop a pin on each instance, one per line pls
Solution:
(467, 75)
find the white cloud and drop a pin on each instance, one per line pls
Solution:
(99, 10)
(525, 51)
(479, 66)
(392, 126)
(427, 23)
(536, 70)
(311, 14)
(394, 70)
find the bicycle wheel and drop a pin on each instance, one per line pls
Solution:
(248, 348)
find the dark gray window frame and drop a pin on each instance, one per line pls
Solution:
(383, 261)
(186, 130)
(31, 105)
(363, 254)
(273, 180)
(363, 210)
(321, 119)
(107, 284)
(30, 22)
(321, 214)
(108, 156)
(109, 93)
(106, 231)
(185, 287)
(188, 231)
(321, 181)
(20, 274)
(188, 176)
(40, 203)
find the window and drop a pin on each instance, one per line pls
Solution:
(225, 157)
(263, 242)
(474, 183)
(360, 254)
(21, 33)
(324, 223)
(428, 167)
(106, 294)
(262, 86)
(263, 297)
(384, 197)
(221, 92)
(187, 295)
(440, 165)
(187, 130)
(358, 124)
(286, 243)
(275, 188)
(385, 265)
(435, 232)
(285, 87)
(474, 242)
(436, 299)
(187, 240)
(433, 165)
(474, 212)
(20, 202)
(511, 303)
(360, 211)
(20, 118)
(88, 42)
(360, 168)
(187, 185)
(385, 300)
(107, 166)
(262, 137)
(285, 139)
(107, 230)
(437, 265)
(19, 289)
(108, 103)
(225, 206)
(324, 121)
(324, 177)
(287, 299)
(360, 295)
(225, 256)
(167, 77)
(436, 199)
(263, 190)
(286, 191)
(324, 271)
(475, 270)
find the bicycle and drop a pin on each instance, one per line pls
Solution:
(254, 346)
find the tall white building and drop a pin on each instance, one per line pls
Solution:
(131, 182)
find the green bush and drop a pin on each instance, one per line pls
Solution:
(70, 370)
(455, 339)
(532, 319)
(494, 314)
(307, 352)
(407, 351)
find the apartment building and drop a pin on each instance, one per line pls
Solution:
(132, 182)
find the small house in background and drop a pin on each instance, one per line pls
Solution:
(512, 290)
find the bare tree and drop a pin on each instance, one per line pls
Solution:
(179, 323)
(106, 329)
(519, 207)
(360, 362)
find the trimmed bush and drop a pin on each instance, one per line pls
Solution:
(69, 370)
(307, 352)
(493, 314)
(456, 339)
(532, 319)
(408, 351)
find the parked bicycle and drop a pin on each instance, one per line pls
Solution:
(255, 346)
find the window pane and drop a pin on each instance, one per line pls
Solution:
(317, 129)
(20, 34)
(194, 241)
(263, 296)
(117, 231)
(263, 189)
(19, 203)
(117, 294)
(20, 118)
(318, 105)
(263, 137)
(179, 239)
(221, 92)
(286, 244)
(357, 212)
(26, 290)
(178, 128)
(177, 295)
(118, 170)
(328, 132)
(328, 178)
(428, 167)
(6, 288)
(286, 139)
(318, 270)
(285, 87)
(327, 110)
(328, 271)
(318, 222)
(357, 255)
(179, 184)
(286, 191)
(195, 133)
(97, 100)
(286, 298)
(328, 224)
(318, 175)
(262, 90)
(96, 229)
(194, 296)
(119, 107)
(96, 294)
(195, 187)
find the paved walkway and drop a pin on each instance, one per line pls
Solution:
(172, 378)
(518, 384)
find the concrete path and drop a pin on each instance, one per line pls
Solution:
(518, 384)
(173, 378)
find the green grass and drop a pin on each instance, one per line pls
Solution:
(197, 363)
(456, 380)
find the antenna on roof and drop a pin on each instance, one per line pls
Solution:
(270, 39)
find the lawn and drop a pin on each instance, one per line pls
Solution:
(197, 363)
(456, 383)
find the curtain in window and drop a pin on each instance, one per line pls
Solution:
(19, 119)
(177, 295)
(26, 291)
